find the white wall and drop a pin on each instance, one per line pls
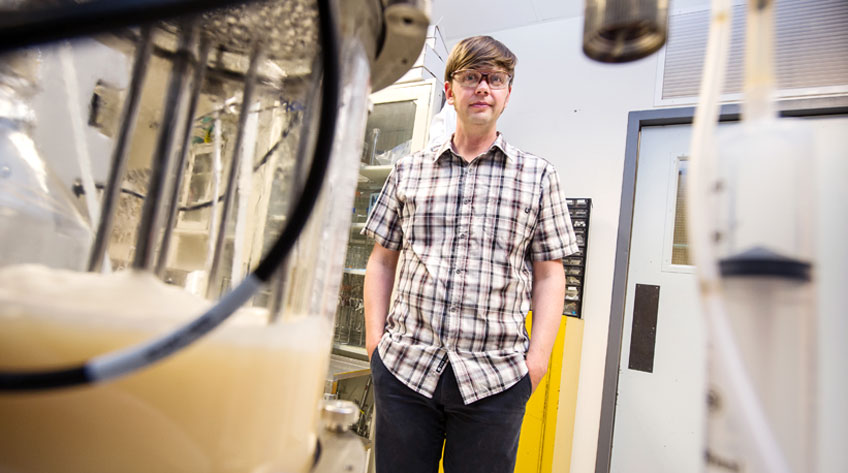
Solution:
(573, 112)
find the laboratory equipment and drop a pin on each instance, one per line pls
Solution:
(246, 398)
(750, 202)
(624, 30)
(579, 210)
(345, 446)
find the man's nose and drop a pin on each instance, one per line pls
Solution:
(480, 88)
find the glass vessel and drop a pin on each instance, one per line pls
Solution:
(40, 222)
(246, 397)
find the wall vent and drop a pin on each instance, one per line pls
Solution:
(811, 55)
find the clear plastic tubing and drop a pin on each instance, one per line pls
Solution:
(727, 357)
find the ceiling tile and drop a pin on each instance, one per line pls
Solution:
(552, 9)
(461, 18)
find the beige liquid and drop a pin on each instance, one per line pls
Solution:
(243, 400)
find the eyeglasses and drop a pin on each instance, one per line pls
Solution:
(470, 78)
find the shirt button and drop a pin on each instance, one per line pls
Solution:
(452, 309)
(466, 201)
(461, 235)
(458, 271)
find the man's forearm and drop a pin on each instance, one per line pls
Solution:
(548, 295)
(377, 293)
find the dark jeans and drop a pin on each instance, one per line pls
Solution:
(411, 429)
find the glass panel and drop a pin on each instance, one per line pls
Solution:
(350, 315)
(199, 187)
(201, 177)
(388, 134)
(680, 242)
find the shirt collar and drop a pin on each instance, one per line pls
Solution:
(499, 143)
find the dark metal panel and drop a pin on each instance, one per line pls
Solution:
(643, 335)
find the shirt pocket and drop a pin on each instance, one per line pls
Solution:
(511, 216)
(429, 223)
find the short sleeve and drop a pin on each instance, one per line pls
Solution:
(554, 237)
(383, 224)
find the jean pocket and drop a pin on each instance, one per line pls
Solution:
(375, 363)
(529, 384)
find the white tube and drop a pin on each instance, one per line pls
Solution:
(245, 181)
(759, 62)
(703, 137)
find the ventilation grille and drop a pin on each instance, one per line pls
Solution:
(811, 54)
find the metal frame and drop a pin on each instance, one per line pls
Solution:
(636, 121)
(666, 264)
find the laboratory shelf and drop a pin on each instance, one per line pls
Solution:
(375, 173)
(350, 351)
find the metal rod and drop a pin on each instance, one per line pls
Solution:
(173, 203)
(305, 145)
(278, 290)
(150, 224)
(256, 57)
(366, 414)
(375, 135)
(216, 184)
(129, 117)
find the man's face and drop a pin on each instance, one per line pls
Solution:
(481, 103)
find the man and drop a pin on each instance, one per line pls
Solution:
(476, 229)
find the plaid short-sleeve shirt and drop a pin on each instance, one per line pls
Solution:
(467, 234)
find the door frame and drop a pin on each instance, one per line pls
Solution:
(636, 120)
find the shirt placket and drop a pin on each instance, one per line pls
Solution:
(463, 227)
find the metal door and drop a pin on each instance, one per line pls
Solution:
(660, 398)
(659, 413)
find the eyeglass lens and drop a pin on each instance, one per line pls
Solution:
(470, 78)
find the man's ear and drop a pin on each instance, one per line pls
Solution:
(448, 92)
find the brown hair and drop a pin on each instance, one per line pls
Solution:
(480, 51)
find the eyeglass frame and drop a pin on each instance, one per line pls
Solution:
(484, 75)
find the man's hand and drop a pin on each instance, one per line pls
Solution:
(538, 366)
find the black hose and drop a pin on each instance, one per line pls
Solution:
(125, 361)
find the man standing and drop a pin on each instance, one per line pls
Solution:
(476, 230)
